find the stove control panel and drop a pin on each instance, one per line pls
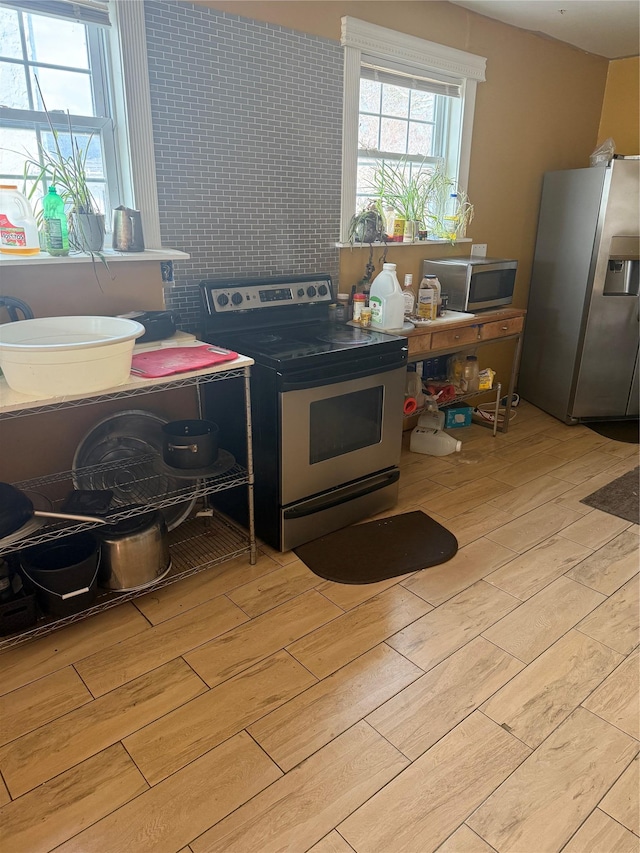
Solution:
(232, 297)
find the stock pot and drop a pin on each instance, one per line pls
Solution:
(135, 552)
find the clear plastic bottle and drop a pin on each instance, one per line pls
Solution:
(470, 375)
(434, 442)
(451, 218)
(18, 229)
(55, 223)
(409, 296)
(386, 300)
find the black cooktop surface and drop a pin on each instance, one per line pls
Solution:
(285, 345)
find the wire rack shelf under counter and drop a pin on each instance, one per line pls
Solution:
(199, 537)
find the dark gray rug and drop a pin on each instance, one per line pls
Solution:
(627, 431)
(618, 498)
(377, 550)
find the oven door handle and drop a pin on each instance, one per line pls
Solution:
(290, 384)
(343, 495)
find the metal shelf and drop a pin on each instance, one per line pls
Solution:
(460, 398)
(142, 491)
(196, 545)
(18, 408)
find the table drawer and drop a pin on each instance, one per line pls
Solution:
(502, 328)
(454, 337)
(419, 343)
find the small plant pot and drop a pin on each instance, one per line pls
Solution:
(89, 231)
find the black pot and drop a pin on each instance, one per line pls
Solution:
(157, 324)
(64, 573)
(190, 443)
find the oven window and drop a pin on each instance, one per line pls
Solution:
(345, 423)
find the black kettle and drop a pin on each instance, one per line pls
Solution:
(127, 230)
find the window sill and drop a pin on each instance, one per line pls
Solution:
(109, 255)
(391, 245)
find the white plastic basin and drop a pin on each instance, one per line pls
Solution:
(55, 356)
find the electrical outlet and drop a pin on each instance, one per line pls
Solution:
(479, 250)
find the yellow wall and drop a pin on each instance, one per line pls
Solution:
(620, 118)
(538, 110)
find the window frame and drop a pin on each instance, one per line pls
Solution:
(360, 38)
(133, 177)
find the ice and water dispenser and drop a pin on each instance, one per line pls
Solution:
(623, 266)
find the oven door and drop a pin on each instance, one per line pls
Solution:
(336, 430)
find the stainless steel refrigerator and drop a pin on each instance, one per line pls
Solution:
(580, 348)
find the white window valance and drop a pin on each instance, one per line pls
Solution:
(86, 11)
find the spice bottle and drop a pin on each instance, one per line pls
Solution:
(358, 305)
(342, 308)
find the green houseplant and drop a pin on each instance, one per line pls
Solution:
(422, 196)
(68, 173)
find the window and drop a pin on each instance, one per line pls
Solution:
(407, 102)
(63, 64)
(91, 57)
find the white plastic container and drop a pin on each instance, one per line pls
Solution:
(432, 420)
(55, 356)
(18, 229)
(386, 300)
(433, 442)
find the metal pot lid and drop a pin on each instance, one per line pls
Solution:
(123, 453)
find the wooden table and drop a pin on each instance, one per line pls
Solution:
(486, 327)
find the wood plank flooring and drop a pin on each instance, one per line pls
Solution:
(488, 705)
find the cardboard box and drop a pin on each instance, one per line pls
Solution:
(457, 416)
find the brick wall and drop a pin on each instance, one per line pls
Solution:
(247, 128)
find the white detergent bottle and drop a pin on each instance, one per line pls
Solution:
(387, 300)
(433, 442)
(432, 419)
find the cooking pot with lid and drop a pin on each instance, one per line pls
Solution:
(190, 443)
(135, 552)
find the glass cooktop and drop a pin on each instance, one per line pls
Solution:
(288, 344)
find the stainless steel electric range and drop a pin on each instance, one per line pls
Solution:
(326, 405)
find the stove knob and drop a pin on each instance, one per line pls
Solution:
(311, 291)
(322, 290)
(223, 299)
(301, 291)
(236, 298)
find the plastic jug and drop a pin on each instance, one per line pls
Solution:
(386, 300)
(18, 229)
(433, 441)
(432, 419)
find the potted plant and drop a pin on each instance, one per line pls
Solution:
(451, 209)
(423, 197)
(68, 173)
(404, 191)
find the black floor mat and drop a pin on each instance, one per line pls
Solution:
(377, 550)
(619, 497)
(628, 431)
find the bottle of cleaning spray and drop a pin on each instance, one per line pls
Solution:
(386, 300)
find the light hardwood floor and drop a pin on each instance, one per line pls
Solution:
(488, 704)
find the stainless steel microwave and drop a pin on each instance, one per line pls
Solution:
(474, 284)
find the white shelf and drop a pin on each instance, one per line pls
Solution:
(109, 255)
(391, 245)
(12, 403)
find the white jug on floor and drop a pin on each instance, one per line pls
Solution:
(434, 442)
